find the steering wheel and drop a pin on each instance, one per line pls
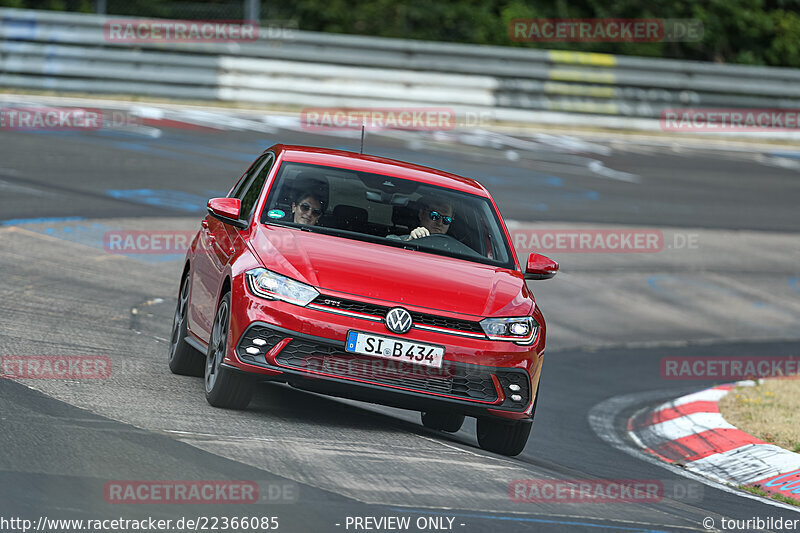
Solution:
(448, 243)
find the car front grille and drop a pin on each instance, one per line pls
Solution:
(422, 319)
(446, 322)
(352, 305)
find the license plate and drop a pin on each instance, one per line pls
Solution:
(395, 349)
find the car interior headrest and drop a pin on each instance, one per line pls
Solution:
(405, 216)
(348, 215)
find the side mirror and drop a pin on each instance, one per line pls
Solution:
(226, 210)
(540, 267)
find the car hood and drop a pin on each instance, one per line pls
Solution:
(405, 277)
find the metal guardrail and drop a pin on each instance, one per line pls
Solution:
(69, 52)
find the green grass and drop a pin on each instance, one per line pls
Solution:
(758, 491)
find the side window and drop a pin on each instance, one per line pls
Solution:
(245, 180)
(253, 190)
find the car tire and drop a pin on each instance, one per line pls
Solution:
(506, 437)
(441, 421)
(225, 388)
(183, 359)
(503, 437)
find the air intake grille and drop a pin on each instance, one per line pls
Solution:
(257, 338)
(518, 379)
(419, 318)
(453, 379)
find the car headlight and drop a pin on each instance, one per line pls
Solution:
(521, 330)
(268, 284)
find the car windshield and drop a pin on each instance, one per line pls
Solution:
(387, 210)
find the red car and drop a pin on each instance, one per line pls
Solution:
(367, 278)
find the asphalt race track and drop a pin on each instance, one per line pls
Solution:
(735, 291)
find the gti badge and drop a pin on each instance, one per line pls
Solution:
(398, 320)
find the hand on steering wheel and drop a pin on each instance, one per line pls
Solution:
(441, 241)
(418, 233)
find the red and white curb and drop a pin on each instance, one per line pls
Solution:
(690, 432)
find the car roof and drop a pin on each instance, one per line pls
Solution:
(378, 165)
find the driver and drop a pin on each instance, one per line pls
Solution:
(435, 217)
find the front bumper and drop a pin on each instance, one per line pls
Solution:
(305, 347)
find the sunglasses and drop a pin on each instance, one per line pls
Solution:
(435, 215)
(304, 207)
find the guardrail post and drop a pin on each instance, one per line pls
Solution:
(100, 7)
(252, 10)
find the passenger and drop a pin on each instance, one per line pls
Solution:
(307, 208)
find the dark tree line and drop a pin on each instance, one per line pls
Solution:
(757, 32)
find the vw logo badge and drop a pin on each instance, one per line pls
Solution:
(398, 320)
